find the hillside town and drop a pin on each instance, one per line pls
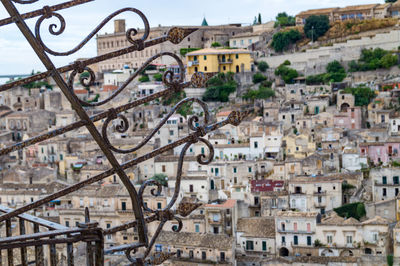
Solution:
(310, 177)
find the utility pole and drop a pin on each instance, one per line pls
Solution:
(312, 34)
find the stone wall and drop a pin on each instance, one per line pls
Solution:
(314, 61)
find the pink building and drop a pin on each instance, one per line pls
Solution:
(266, 185)
(381, 151)
(350, 118)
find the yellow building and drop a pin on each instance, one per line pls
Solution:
(219, 60)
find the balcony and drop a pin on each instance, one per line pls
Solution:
(379, 184)
(222, 62)
(212, 221)
(320, 193)
(300, 232)
(319, 204)
(195, 63)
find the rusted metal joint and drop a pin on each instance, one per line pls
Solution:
(165, 215)
(112, 114)
(47, 12)
(79, 66)
(89, 225)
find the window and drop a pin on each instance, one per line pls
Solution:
(203, 255)
(222, 256)
(191, 188)
(234, 169)
(384, 180)
(67, 223)
(249, 245)
(171, 132)
(178, 253)
(283, 240)
(308, 227)
(329, 239)
(108, 225)
(163, 168)
(197, 228)
(202, 150)
(264, 245)
(81, 202)
(349, 240)
(249, 169)
(396, 180)
(384, 192)
(205, 57)
(159, 204)
(237, 55)
(216, 230)
(123, 205)
(309, 241)
(255, 144)
(295, 227)
(375, 236)
(295, 240)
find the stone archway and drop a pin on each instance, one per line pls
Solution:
(327, 253)
(344, 106)
(283, 252)
(346, 253)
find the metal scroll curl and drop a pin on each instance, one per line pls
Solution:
(169, 79)
(166, 214)
(125, 125)
(130, 34)
(23, 2)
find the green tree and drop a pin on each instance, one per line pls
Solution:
(282, 40)
(262, 66)
(259, 19)
(161, 178)
(316, 26)
(216, 44)
(362, 95)
(144, 78)
(283, 19)
(158, 77)
(258, 77)
(220, 87)
(286, 73)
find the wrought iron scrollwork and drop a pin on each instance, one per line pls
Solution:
(88, 81)
(199, 127)
(25, 1)
(130, 34)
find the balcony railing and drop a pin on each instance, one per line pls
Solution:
(227, 61)
(47, 235)
(295, 231)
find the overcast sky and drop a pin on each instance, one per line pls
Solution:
(16, 57)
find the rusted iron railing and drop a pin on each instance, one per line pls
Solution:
(47, 234)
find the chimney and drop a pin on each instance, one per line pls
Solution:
(119, 25)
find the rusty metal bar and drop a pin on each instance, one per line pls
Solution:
(10, 255)
(82, 114)
(22, 231)
(39, 258)
(81, 123)
(41, 12)
(90, 61)
(35, 220)
(53, 253)
(99, 251)
(70, 253)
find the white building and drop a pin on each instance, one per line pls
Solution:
(295, 229)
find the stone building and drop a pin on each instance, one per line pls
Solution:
(202, 38)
